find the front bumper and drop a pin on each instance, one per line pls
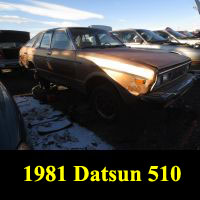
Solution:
(9, 64)
(168, 94)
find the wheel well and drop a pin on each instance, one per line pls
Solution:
(97, 81)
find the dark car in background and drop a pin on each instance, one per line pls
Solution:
(10, 44)
(12, 130)
(146, 39)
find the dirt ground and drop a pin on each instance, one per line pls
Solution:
(173, 128)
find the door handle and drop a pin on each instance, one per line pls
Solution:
(49, 53)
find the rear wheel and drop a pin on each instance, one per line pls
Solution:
(107, 102)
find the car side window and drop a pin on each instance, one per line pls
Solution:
(129, 37)
(61, 41)
(38, 41)
(46, 40)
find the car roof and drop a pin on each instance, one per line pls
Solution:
(130, 29)
(53, 29)
(123, 30)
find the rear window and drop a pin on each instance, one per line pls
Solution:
(31, 42)
(34, 40)
(38, 41)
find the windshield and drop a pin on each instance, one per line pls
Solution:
(176, 34)
(94, 38)
(150, 36)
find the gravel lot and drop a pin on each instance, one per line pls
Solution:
(173, 128)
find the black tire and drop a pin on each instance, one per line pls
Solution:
(39, 93)
(107, 102)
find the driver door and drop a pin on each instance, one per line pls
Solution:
(61, 57)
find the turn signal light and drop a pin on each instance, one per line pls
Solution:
(140, 81)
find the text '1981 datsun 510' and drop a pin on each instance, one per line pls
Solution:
(97, 63)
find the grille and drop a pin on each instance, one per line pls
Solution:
(178, 72)
(172, 74)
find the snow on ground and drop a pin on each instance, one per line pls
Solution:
(49, 129)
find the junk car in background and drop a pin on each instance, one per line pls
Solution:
(177, 37)
(188, 34)
(146, 39)
(10, 44)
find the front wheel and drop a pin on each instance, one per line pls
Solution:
(107, 102)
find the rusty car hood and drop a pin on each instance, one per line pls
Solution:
(159, 60)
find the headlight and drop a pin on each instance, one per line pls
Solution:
(187, 68)
(166, 77)
(159, 81)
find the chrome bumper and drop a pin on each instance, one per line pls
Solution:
(171, 93)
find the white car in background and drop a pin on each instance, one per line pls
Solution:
(177, 37)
